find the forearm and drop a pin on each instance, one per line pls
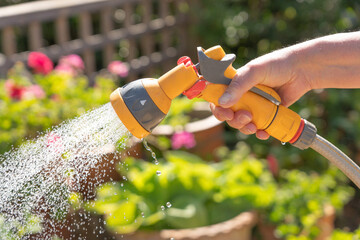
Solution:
(330, 62)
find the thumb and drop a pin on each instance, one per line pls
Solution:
(241, 83)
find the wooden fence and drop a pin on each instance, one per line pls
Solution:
(143, 33)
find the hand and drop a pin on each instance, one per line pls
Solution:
(327, 62)
(277, 70)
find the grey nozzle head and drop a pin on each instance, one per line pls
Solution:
(141, 106)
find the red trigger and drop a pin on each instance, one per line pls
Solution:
(196, 89)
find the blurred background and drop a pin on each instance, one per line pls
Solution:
(208, 176)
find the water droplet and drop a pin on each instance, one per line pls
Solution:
(153, 155)
(162, 208)
(158, 173)
(283, 143)
(143, 214)
(168, 204)
(53, 165)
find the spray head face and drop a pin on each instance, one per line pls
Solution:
(136, 108)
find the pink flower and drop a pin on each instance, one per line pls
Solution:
(73, 61)
(183, 139)
(20, 92)
(40, 63)
(34, 91)
(273, 164)
(118, 68)
(14, 91)
(64, 68)
(54, 142)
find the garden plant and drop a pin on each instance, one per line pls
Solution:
(288, 188)
(183, 191)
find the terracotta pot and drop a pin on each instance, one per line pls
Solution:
(104, 171)
(237, 228)
(208, 131)
(325, 225)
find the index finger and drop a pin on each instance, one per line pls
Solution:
(243, 81)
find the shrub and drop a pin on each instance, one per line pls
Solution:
(31, 104)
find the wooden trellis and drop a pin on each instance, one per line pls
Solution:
(143, 33)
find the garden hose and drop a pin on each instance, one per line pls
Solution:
(338, 158)
(142, 104)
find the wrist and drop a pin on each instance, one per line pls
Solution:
(326, 60)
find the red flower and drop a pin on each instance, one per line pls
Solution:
(273, 164)
(20, 92)
(118, 68)
(183, 139)
(40, 63)
(14, 91)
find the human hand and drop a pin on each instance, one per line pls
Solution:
(278, 70)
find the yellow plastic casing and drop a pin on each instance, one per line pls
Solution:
(279, 121)
(177, 80)
(161, 91)
(159, 97)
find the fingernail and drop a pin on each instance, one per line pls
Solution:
(244, 119)
(262, 135)
(225, 98)
(251, 128)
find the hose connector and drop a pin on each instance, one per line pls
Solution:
(306, 136)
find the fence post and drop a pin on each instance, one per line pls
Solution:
(85, 32)
(62, 29)
(129, 11)
(9, 41)
(35, 35)
(106, 27)
(165, 35)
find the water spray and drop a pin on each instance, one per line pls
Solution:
(142, 104)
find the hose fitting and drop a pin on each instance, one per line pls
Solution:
(307, 136)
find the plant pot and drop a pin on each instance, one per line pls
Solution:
(239, 227)
(103, 171)
(325, 225)
(207, 130)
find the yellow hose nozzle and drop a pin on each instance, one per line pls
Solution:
(142, 104)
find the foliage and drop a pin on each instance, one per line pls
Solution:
(206, 193)
(182, 192)
(31, 104)
(178, 114)
(253, 28)
(343, 235)
(13, 230)
(301, 198)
